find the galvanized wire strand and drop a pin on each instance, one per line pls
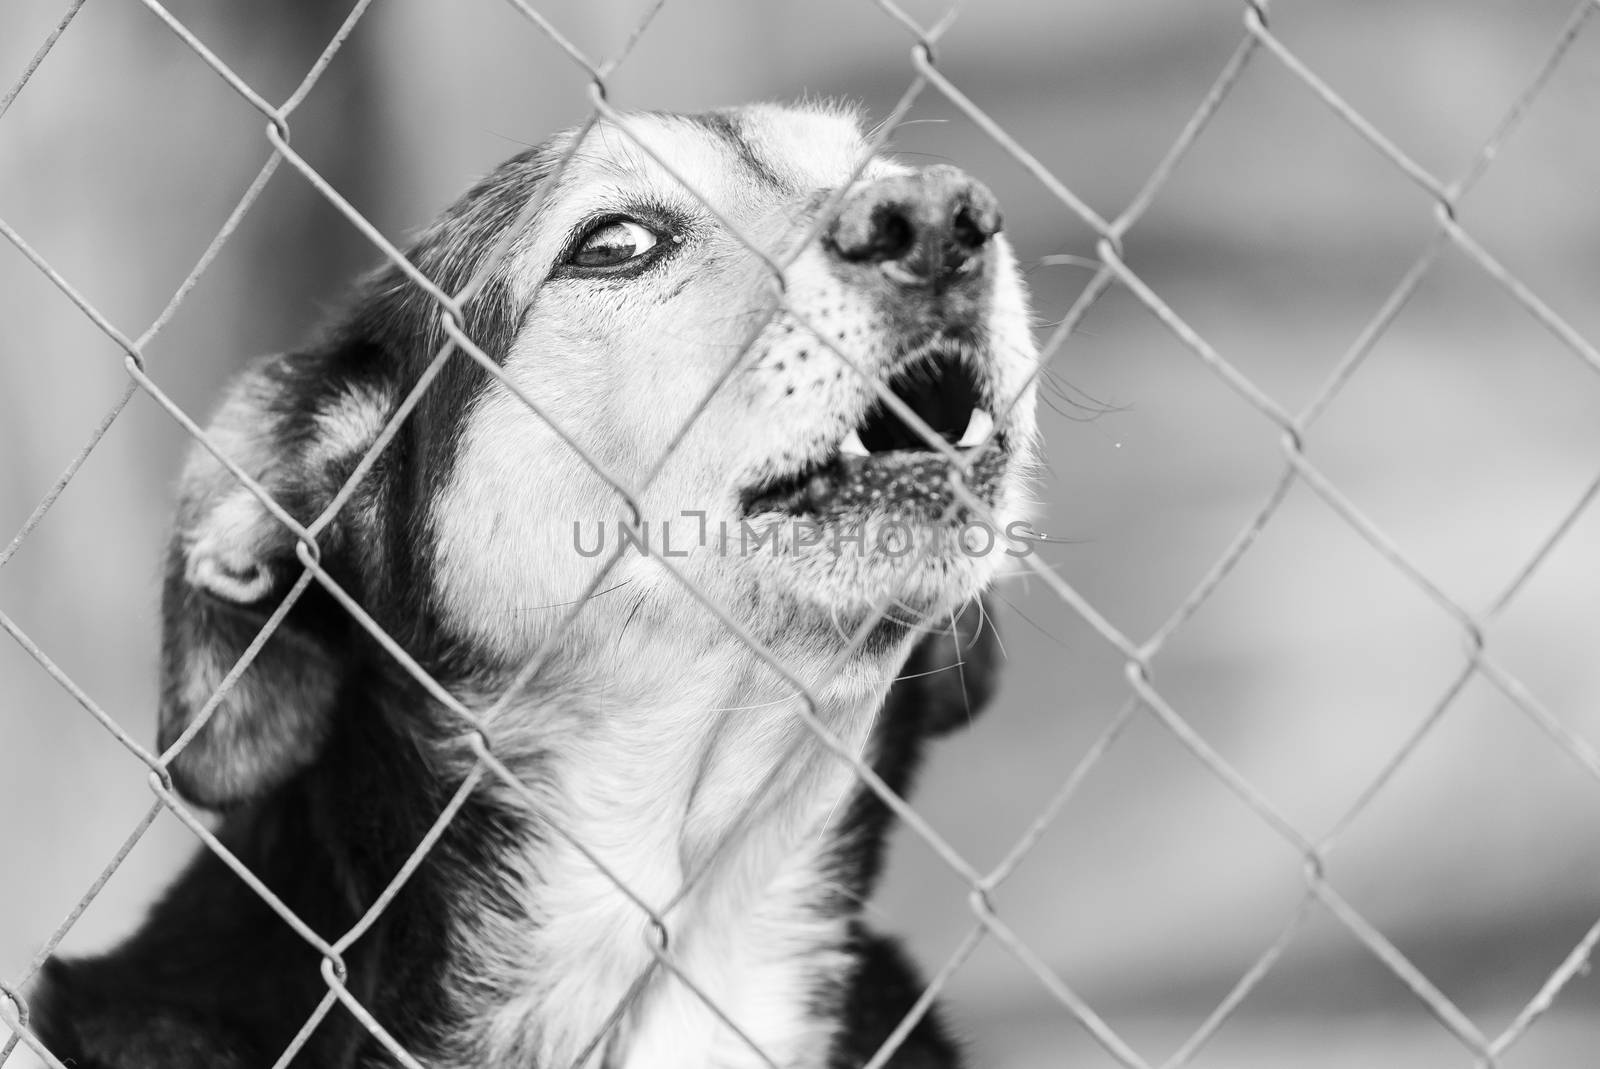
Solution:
(1547, 316)
(1574, 965)
(79, 695)
(302, 536)
(325, 57)
(1069, 788)
(1518, 694)
(215, 62)
(711, 1004)
(72, 293)
(930, 992)
(1370, 133)
(252, 650)
(303, 1036)
(1428, 993)
(1536, 85)
(336, 984)
(1241, 989)
(39, 56)
(1051, 981)
(633, 39)
(50, 944)
(922, 60)
(925, 37)
(241, 870)
(561, 41)
(46, 503)
(451, 308)
(408, 868)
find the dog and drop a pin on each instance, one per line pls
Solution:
(656, 747)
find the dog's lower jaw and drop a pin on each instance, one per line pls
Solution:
(726, 787)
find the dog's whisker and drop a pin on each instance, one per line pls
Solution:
(632, 615)
(1045, 631)
(797, 696)
(930, 672)
(567, 604)
(961, 675)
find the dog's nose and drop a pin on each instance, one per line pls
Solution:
(921, 229)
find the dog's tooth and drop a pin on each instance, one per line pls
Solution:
(978, 428)
(853, 447)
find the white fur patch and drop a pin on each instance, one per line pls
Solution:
(224, 548)
(654, 790)
(347, 425)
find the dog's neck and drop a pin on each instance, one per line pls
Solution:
(708, 805)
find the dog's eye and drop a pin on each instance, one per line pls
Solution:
(613, 243)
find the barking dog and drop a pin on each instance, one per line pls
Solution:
(652, 736)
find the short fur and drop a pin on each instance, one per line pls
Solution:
(653, 735)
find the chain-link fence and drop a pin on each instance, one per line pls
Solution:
(1139, 654)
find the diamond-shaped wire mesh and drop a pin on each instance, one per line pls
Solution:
(1140, 655)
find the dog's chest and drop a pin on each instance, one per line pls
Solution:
(743, 809)
(757, 971)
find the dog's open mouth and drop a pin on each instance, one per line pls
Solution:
(886, 463)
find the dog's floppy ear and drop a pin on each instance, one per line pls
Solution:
(230, 564)
(952, 672)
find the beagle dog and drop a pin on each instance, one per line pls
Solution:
(674, 803)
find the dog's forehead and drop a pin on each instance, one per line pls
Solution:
(796, 149)
(728, 155)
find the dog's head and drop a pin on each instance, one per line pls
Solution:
(626, 309)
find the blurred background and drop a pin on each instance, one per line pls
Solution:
(1467, 436)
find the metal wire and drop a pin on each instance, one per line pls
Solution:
(1258, 43)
